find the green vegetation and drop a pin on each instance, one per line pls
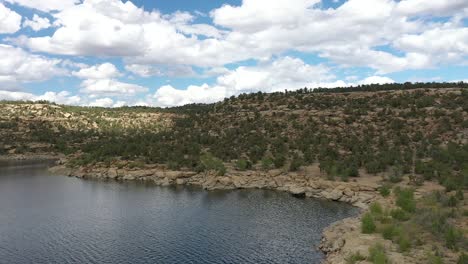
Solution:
(398, 131)
(368, 225)
(394, 129)
(357, 257)
(405, 199)
(377, 255)
(429, 220)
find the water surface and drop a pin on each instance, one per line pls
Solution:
(55, 219)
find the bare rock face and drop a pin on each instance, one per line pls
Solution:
(112, 173)
(297, 191)
(333, 195)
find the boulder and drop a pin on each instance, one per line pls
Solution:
(334, 195)
(112, 173)
(297, 191)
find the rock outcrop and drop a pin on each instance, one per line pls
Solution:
(299, 185)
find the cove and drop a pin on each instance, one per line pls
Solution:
(55, 219)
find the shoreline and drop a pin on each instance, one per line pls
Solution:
(300, 185)
(339, 240)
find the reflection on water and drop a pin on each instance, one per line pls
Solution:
(54, 219)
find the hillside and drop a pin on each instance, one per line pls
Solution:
(423, 132)
(400, 150)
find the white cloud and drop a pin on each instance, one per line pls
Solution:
(282, 74)
(18, 66)
(100, 81)
(103, 102)
(353, 34)
(37, 23)
(357, 33)
(45, 5)
(433, 8)
(10, 21)
(376, 80)
(169, 96)
(444, 44)
(160, 70)
(110, 87)
(63, 97)
(102, 71)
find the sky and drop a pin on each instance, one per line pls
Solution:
(112, 53)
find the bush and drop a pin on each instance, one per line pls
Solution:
(405, 200)
(399, 215)
(452, 237)
(384, 190)
(377, 255)
(367, 224)
(211, 163)
(267, 163)
(376, 209)
(460, 195)
(463, 259)
(404, 244)
(296, 163)
(243, 164)
(396, 174)
(389, 232)
(356, 257)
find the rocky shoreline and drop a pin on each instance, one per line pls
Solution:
(306, 184)
(339, 240)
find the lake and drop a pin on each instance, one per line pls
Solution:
(56, 219)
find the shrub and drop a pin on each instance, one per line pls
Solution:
(452, 201)
(267, 163)
(296, 163)
(211, 163)
(389, 232)
(385, 190)
(396, 174)
(460, 195)
(404, 244)
(405, 200)
(377, 255)
(356, 257)
(452, 237)
(368, 225)
(242, 164)
(433, 259)
(463, 259)
(399, 215)
(376, 209)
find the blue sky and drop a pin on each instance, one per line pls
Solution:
(167, 53)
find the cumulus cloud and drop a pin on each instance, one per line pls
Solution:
(37, 23)
(63, 97)
(434, 8)
(100, 80)
(376, 80)
(102, 71)
(351, 34)
(18, 66)
(110, 87)
(282, 74)
(445, 44)
(10, 21)
(103, 102)
(45, 5)
(143, 70)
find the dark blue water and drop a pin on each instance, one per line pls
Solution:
(55, 219)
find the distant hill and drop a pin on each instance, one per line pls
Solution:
(414, 129)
